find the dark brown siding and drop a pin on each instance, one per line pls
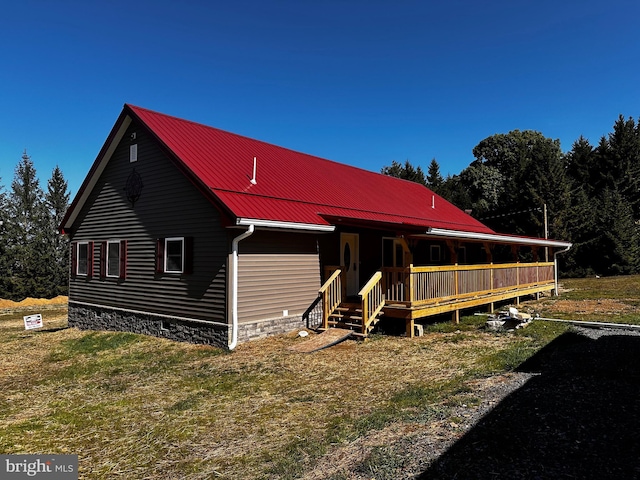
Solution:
(169, 206)
(277, 271)
(370, 244)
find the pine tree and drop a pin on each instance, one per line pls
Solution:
(57, 202)
(453, 190)
(26, 227)
(580, 163)
(618, 236)
(548, 185)
(406, 172)
(605, 202)
(4, 253)
(624, 160)
(434, 178)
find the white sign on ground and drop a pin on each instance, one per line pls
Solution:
(32, 321)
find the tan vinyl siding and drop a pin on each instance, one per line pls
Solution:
(271, 283)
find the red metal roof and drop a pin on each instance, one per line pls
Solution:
(295, 187)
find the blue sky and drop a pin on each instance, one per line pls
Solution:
(359, 82)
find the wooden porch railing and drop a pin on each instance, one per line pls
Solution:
(372, 298)
(415, 286)
(332, 294)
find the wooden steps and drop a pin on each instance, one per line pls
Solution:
(349, 316)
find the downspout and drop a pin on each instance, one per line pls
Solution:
(234, 285)
(555, 266)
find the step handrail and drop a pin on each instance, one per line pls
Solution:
(372, 299)
(331, 292)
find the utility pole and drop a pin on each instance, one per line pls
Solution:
(546, 233)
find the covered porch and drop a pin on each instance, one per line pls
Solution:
(412, 292)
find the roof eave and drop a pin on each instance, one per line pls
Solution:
(284, 225)
(494, 238)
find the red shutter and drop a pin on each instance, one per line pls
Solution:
(188, 255)
(74, 259)
(160, 255)
(103, 259)
(90, 260)
(123, 259)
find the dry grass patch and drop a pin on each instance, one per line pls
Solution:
(141, 407)
(611, 299)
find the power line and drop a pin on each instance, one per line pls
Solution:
(537, 209)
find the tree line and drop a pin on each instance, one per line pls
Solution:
(34, 257)
(591, 193)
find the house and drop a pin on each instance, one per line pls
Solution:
(196, 234)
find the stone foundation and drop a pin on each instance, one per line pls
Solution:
(103, 318)
(264, 328)
(91, 317)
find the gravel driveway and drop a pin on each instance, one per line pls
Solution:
(575, 415)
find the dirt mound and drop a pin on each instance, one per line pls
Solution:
(32, 302)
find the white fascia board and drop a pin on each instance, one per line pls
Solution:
(495, 237)
(98, 171)
(284, 225)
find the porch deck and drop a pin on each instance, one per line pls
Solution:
(413, 292)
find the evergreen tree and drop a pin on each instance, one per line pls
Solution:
(406, 172)
(581, 220)
(624, 161)
(617, 236)
(582, 225)
(57, 202)
(434, 178)
(26, 228)
(454, 191)
(605, 202)
(580, 163)
(547, 185)
(4, 253)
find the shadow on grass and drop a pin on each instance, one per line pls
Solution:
(579, 417)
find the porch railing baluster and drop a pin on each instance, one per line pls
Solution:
(414, 286)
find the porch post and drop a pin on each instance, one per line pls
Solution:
(488, 252)
(514, 252)
(453, 251)
(409, 287)
(409, 325)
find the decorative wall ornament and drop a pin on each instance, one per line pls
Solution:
(133, 187)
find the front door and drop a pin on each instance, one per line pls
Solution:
(350, 259)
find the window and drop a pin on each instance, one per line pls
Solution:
(174, 255)
(113, 259)
(82, 262)
(133, 153)
(82, 259)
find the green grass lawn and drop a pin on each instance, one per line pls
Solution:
(133, 406)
